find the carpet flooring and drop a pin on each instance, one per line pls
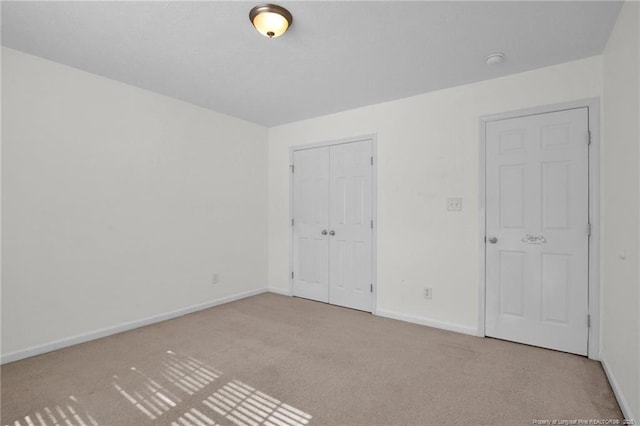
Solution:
(277, 360)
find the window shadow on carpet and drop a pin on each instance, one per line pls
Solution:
(182, 377)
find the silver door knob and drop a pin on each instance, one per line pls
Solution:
(332, 233)
(493, 240)
(324, 232)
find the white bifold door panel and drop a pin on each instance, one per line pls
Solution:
(332, 228)
(350, 213)
(311, 223)
(537, 230)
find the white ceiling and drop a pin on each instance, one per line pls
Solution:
(336, 56)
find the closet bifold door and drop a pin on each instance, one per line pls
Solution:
(350, 213)
(311, 224)
(332, 224)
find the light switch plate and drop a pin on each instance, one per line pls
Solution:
(454, 204)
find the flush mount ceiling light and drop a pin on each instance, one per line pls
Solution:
(494, 58)
(270, 20)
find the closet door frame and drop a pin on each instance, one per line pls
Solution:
(374, 206)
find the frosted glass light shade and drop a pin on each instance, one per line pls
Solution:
(270, 20)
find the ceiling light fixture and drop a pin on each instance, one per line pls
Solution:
(494, 58)
(270, 20)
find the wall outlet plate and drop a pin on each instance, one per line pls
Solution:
(215, 278)
(428, 292)
(454, 204)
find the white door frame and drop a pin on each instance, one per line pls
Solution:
(374, 205)
(593, 106)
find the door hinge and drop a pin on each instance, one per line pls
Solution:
(371, 287)
(588, 137)
(291, 274)
(372, 160)
(588, 321)
(588, 229)
(292, 221)
(371, 223)
(291, 168)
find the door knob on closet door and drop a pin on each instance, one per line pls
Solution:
(493, 240)
(332, 233)
(324, 232)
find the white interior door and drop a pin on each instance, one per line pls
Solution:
(537, 227)
(311, 224)
(350, 217)
(332, 224)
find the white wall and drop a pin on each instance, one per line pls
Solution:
(427, 151)
(120, 204)
(621, 209)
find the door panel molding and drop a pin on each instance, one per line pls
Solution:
(368, 137)
(593, 108)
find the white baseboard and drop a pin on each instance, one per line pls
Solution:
(279, 291)
(622, 401)
(428, 322)
(108, 331)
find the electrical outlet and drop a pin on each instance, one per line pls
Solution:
(215, 279)
(427, 293)
(454, 204)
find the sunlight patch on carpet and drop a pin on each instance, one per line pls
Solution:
(69, 413)
(187, 373)
(246, 406)
(235, 402)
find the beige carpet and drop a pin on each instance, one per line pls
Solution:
(276, 360)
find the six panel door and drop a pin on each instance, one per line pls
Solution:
(311, 219)
(537, 228)
(350, 255)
